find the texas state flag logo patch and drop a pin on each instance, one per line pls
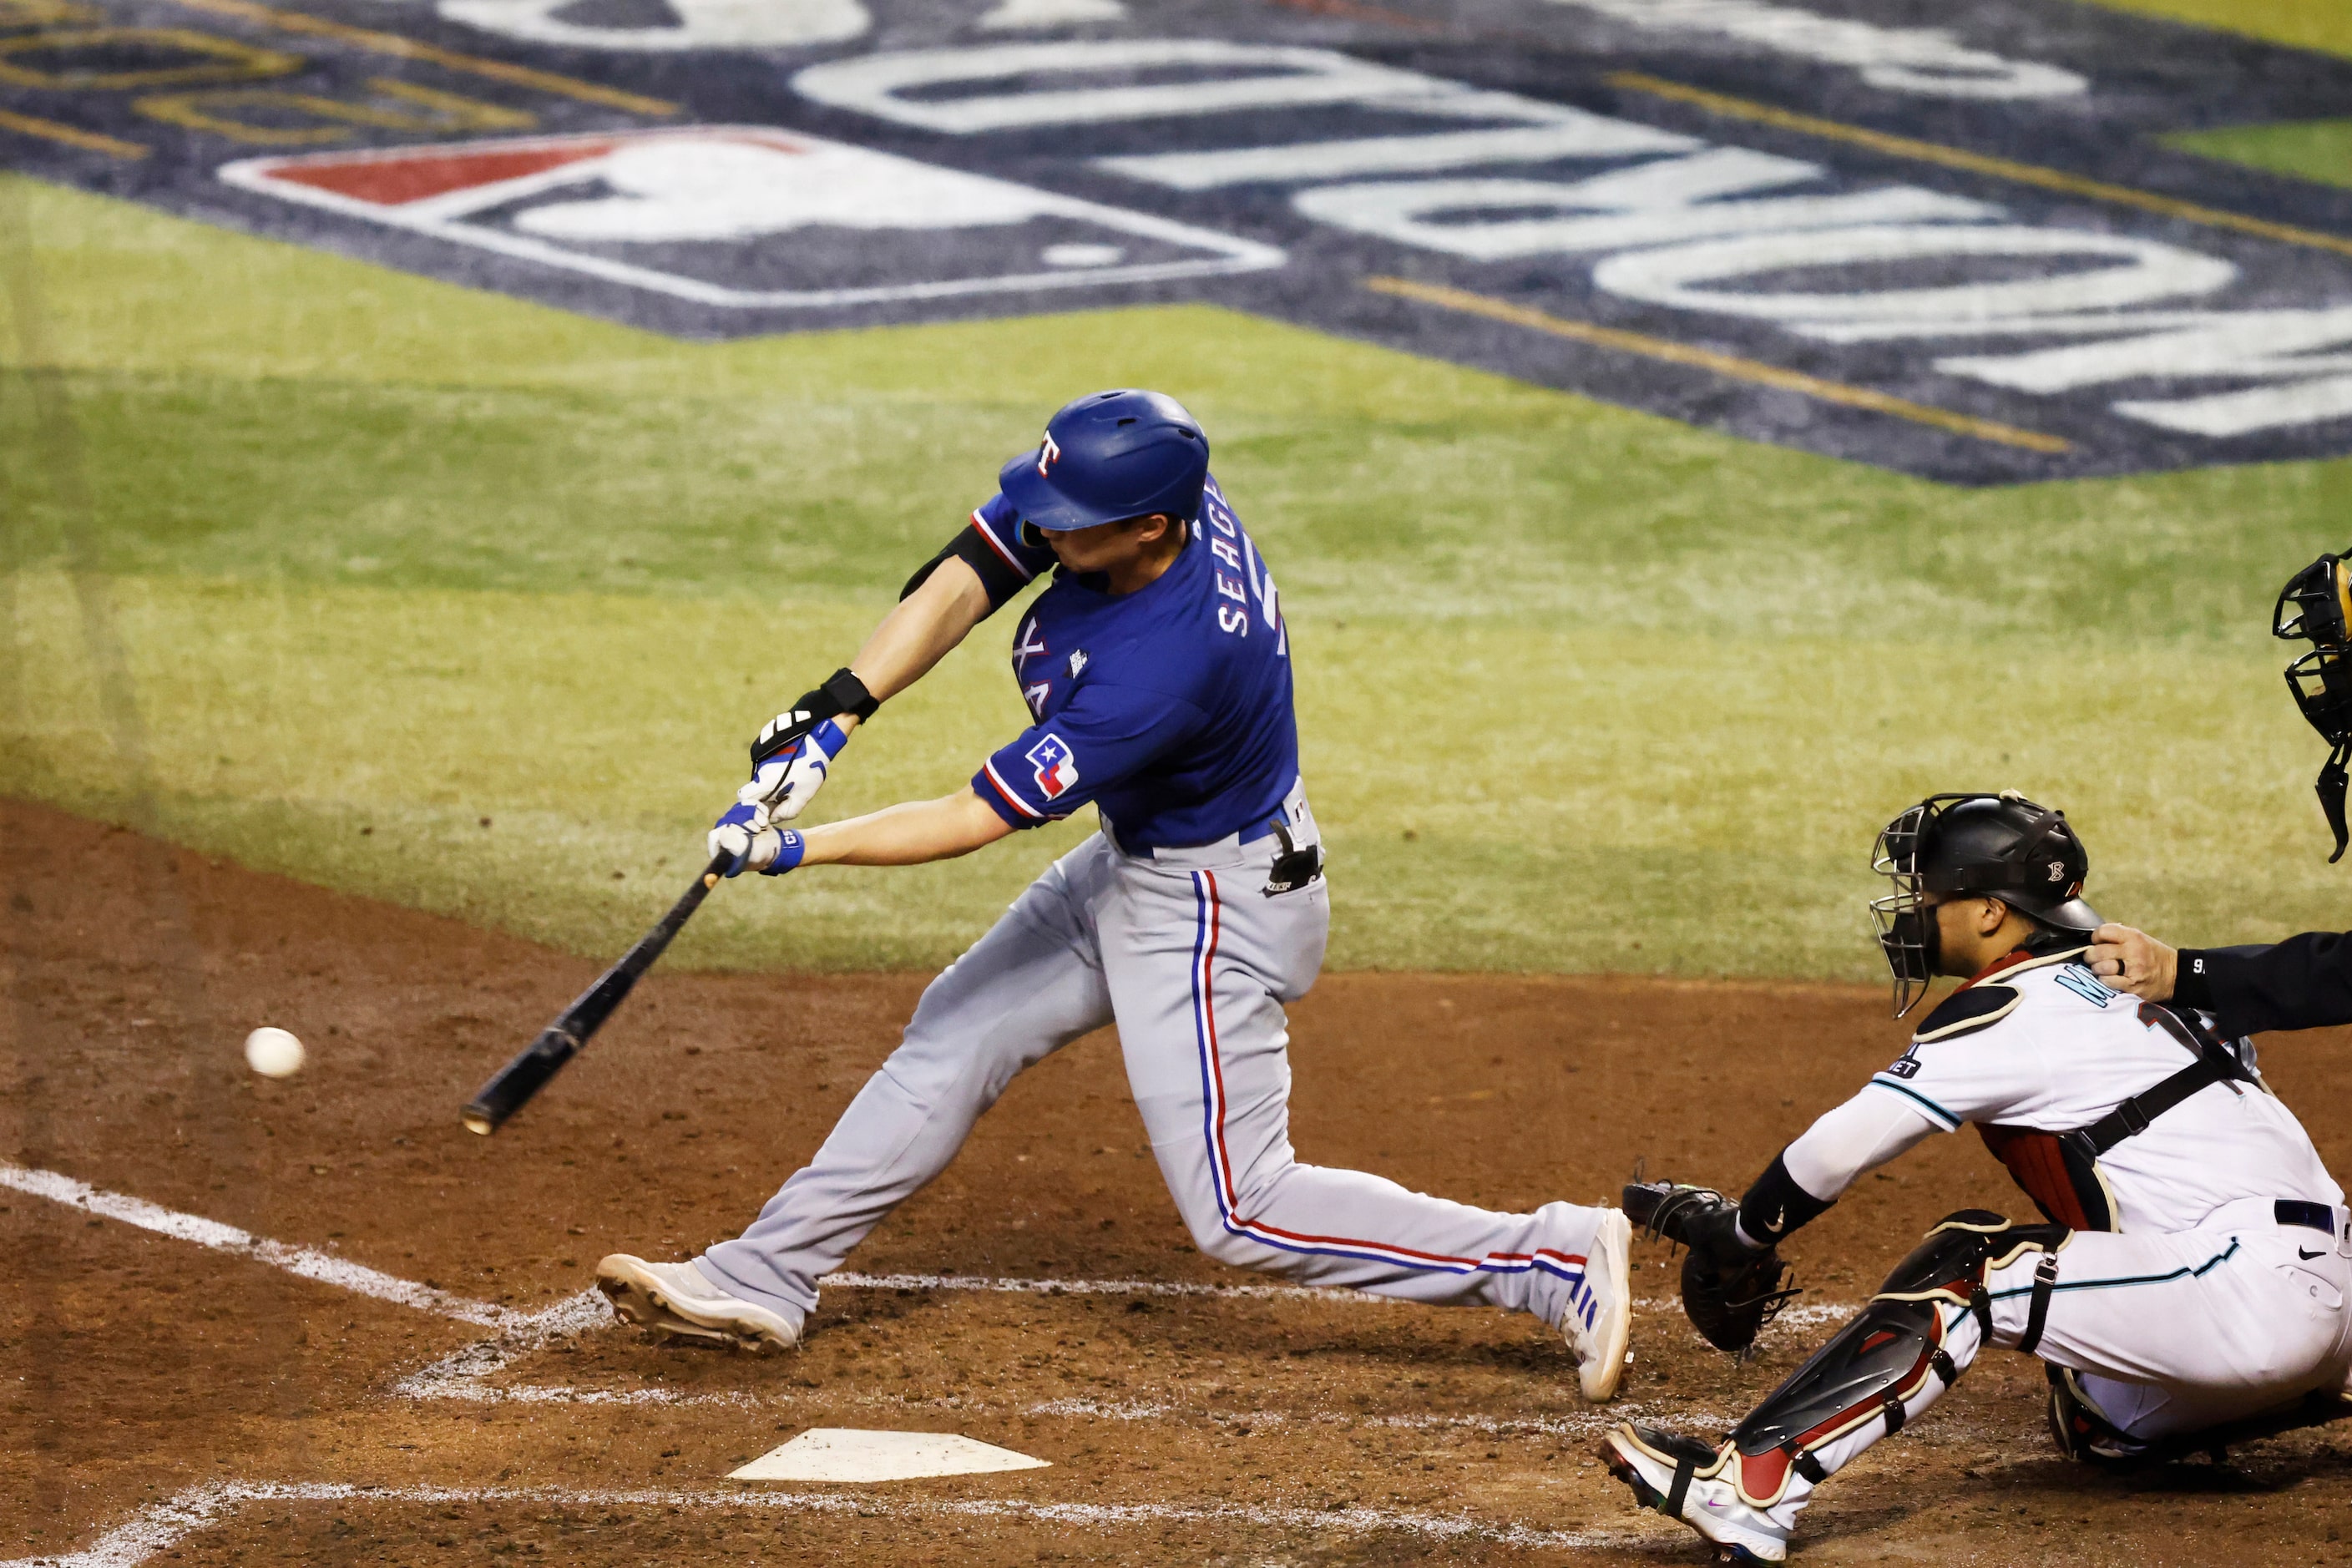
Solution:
(1057, 769)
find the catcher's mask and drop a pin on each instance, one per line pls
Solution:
(2315, 606)
(1974, 845)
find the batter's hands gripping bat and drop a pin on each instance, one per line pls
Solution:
(511, 1086)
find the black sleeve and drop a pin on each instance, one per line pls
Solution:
(2303, 983)
(1000, 580)
(1776, 1204)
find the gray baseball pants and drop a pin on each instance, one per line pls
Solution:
(1185, 953)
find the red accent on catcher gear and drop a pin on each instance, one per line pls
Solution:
(1764, 1477)
(2008, 959)
(2037, 1163)
(1764, 1473)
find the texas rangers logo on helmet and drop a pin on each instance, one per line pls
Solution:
(1047, 454)
(1056, 770)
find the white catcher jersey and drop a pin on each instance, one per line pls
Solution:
(2041, 1047)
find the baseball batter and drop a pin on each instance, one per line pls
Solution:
(2194, 1267)
(1156, 669)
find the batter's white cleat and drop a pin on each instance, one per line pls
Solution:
(1600, 1316)
(676, 1300)
(1648, 1460)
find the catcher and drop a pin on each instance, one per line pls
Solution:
(2188, 1286)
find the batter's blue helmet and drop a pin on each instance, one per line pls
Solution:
(1108, 457)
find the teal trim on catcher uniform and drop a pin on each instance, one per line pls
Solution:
(2186, 1271)
(1943, 1118)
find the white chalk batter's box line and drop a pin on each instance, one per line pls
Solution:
(331, 1269)
(161, 1526)
(464, 1373)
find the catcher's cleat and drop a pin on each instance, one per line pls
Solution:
(676, 1301)
(1599, 1316)
(1684, 1478)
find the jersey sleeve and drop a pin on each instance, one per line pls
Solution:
(991, 544)
(1104, 736)
(996, 529)
(1977, 1077)
(2303, 983)
(1859, 1135)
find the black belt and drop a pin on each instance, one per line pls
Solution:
(2320, 1218)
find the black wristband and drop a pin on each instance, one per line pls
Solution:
(848, 694)
(1776, 1204)
(842, 692)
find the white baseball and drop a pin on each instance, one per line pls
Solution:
(273, 1053)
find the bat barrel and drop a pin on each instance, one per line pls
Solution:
(512, 1085)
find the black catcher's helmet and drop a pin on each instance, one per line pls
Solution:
(2315, 606)
(1973, 845)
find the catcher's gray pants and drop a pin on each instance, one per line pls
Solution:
(1192, 961)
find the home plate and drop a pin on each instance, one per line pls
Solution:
(846, 1454)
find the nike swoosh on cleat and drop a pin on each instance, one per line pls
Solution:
(2307, 1256)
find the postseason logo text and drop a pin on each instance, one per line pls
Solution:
(1964, 256)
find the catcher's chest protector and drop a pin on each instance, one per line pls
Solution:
(2060, 1170)
(2066, 1187)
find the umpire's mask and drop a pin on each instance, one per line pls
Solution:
(2315, 606)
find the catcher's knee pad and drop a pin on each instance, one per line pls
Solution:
(1882, 1359)
(1953, 1258)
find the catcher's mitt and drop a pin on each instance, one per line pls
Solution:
(1730, 1292)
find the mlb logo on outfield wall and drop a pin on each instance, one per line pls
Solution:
(749, 216)
(1056, 770)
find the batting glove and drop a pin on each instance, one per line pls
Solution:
(755, 845)
(783, 785)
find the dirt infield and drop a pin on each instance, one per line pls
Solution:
(194, 1395)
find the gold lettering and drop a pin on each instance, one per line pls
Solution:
(222, 59)
(429, 109)
(46, 13)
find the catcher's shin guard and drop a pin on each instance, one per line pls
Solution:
(1889, 1363)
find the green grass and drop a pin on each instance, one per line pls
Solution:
(2316, 150)
(1579, 688)
(2323, 25)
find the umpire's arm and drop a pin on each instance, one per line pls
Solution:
(2303, 983)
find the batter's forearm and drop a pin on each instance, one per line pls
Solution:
(919, 631)
(912, 834)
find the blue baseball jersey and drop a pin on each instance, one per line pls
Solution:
(1169, 708)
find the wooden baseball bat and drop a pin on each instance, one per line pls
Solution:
(511, 1086)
